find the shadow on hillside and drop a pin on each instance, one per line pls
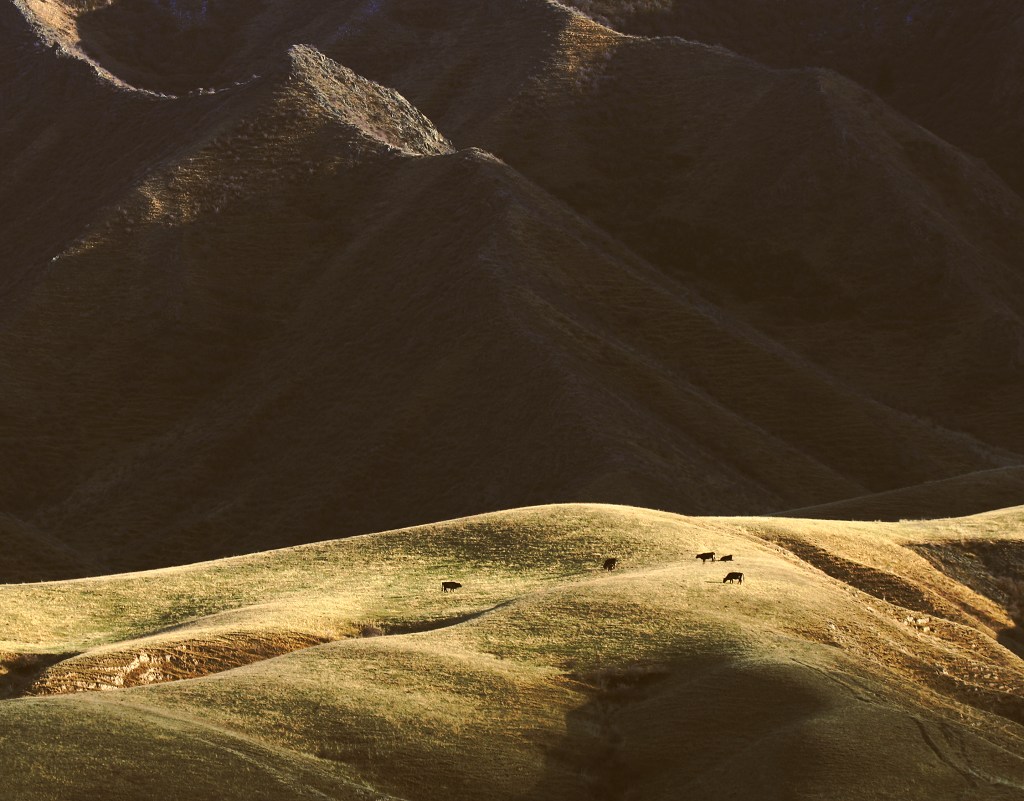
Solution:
(19, 671)
(1013, 639)
(687, 730)
(881, 584)
(166, 46)
(993, 569)
(417, 627)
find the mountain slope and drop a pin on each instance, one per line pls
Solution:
(256, 360)
(797, 199)
(296, 307)
(803, 205)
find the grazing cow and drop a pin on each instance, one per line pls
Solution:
(609, 564)
(727, 558)
(449, 586)
(733, 577)
(705, 556)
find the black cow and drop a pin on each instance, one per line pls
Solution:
(449, 586)
(609, 564)
(727, 558)
(733, 577)
(705, 556)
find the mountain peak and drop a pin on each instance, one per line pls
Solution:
(324, 87)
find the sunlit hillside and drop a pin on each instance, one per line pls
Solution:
(854, 661)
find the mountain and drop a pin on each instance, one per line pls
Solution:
(284, 272)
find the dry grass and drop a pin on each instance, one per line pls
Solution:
(544, 675)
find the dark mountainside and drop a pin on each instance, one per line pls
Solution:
(290, 271)
(951, 65)
(971, 493)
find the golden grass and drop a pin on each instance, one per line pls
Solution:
(543, 677)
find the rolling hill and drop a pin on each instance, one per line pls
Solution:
(856, 660)
(286, 272)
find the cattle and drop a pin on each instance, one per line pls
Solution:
(705, 556)
(727, 558)
(449, 586)
(733, 577)
(609, 564)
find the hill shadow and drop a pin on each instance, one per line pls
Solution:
(171, 47)
(993, 569)
(19, 671)
(689, 723)
(1013, 639)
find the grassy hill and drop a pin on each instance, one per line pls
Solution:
(856, 660)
